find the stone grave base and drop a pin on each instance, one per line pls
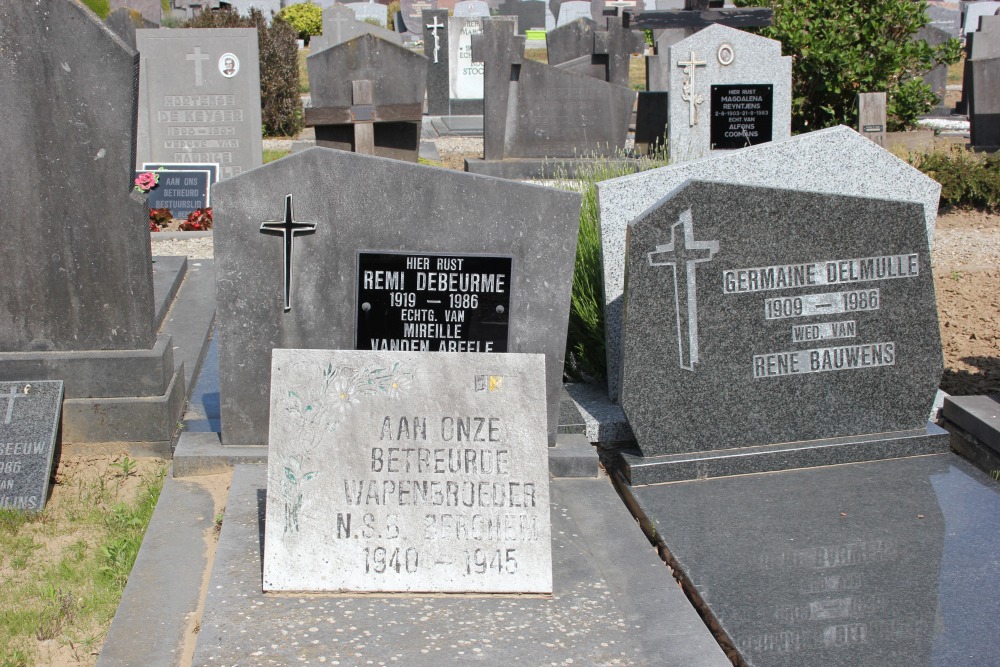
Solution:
(613, 602)
(878, 563)
(543, 168)
(641, 470)
(133, 397)
(974, 422)
(453, 126)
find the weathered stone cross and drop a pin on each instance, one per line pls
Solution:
(685, 253)
(197, 56)
(288, 228)
(688, 95)
(10, 402)
(437, 38)
(339, 22)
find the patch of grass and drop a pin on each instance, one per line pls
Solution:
(303, 71)
(585, 349)
(101, 8)
(637, 72)
(539, 55)
(956, 72)
(271, 154)
(66, 566)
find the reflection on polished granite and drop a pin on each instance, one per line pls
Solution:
(884, 563)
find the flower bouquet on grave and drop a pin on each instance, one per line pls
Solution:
(158, 218)
(199, 220)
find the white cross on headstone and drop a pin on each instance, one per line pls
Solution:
(338, 24)
(197, 56)
(10, 402)
(437, 38)
(688, 95)
(685, 253)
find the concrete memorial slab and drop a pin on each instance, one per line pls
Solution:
(83, 308)
(984, 107)
(370, 11)
(728, 89)
(199, 97)
(434, 467)
(871, 117)
(835, 160)
(534, 113)
(337, 237)
(367, 96)
(29, 425)
(603, 54)
(814, 319)
(530, 14)
(571, 40)
(125, 21)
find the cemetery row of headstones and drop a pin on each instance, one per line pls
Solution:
(981, 82)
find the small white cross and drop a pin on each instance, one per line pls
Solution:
(688, 95)
(437, 38)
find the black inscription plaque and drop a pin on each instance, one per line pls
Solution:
(29, 423)
(181, 191)
(427, 302)
(741, 115)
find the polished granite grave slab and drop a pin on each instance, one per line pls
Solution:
(882, 563)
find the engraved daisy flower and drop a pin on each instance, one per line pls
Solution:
(343, 393)
(397, 384)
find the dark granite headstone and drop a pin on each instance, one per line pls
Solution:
(435, 31)
(937, 78)
(570, 41)
(651, 120)
(979, 45)
(550, 107)
(604, 54)
(124, 22)
(86, 285)
(338, 214)
(984, 108)
(758, 316)
(530, 13)
(181, 191)
(211, 167)
(81, 298)
(413, 10)
(397, 79)
(200, 97)
(29, 424)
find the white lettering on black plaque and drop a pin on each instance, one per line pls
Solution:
(430, 302)
(741, 115)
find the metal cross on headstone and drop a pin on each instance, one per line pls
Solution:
(288, 228)
(688, 95)
(437, 38)
(10, 402)
(684, 253)
(197, 56)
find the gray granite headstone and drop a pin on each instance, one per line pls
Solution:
(29, 424)
(370, 11)
(471, 9)
(573, 10)
(430, 212)
(199, 97)
(836, 160)
(550, 106)
(341, 25)
(530, 13)
(728, 89)
(948, 20)
(603, 54)
(398, 77)
(757, 316)
(407, 472)
(937, 78)
(83, 285)
(571, 40)
(151, 10)
(976, 10)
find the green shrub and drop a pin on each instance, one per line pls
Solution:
(968, 179)
(845, 47)
(305, 18)
(280, 105)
